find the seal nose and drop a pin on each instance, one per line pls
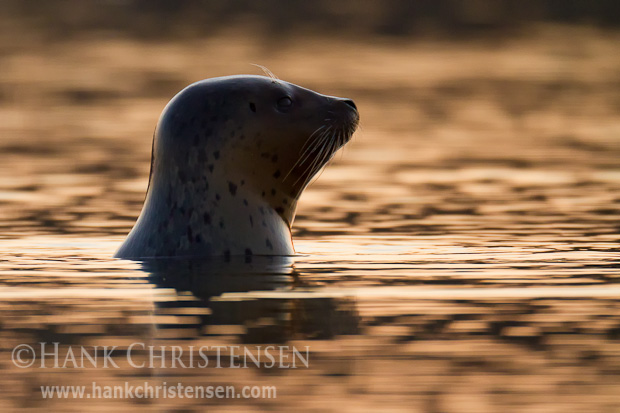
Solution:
(350, 103)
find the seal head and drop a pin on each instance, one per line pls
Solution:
(231, 157)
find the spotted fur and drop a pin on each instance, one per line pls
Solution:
(229, 163)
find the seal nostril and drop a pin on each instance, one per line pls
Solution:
(350, 103)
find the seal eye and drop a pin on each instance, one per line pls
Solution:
(285, 103)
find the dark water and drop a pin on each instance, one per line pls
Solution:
(461, 255)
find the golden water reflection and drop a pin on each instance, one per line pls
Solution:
(449, 329)
(461, 255)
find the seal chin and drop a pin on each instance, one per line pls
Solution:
(348, 117)
(336, 131)
(231, 157)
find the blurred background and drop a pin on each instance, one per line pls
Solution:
(486, 161)
(440, 84)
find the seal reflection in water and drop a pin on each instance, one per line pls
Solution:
(264, 296)
(231, 157)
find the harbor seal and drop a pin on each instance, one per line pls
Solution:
(230, 159)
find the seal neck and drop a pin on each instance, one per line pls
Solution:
(206, 218)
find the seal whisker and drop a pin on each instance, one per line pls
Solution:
(326, 151)
(313, 147)
(308, 151)
(321, 143)
(268, 72)
(321, 146)
(309, 140)
(340, 138)
(329, 154)
(344, 134)
(316, 145)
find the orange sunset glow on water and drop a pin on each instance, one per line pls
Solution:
(459, 254)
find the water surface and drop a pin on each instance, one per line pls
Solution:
(460, 255)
